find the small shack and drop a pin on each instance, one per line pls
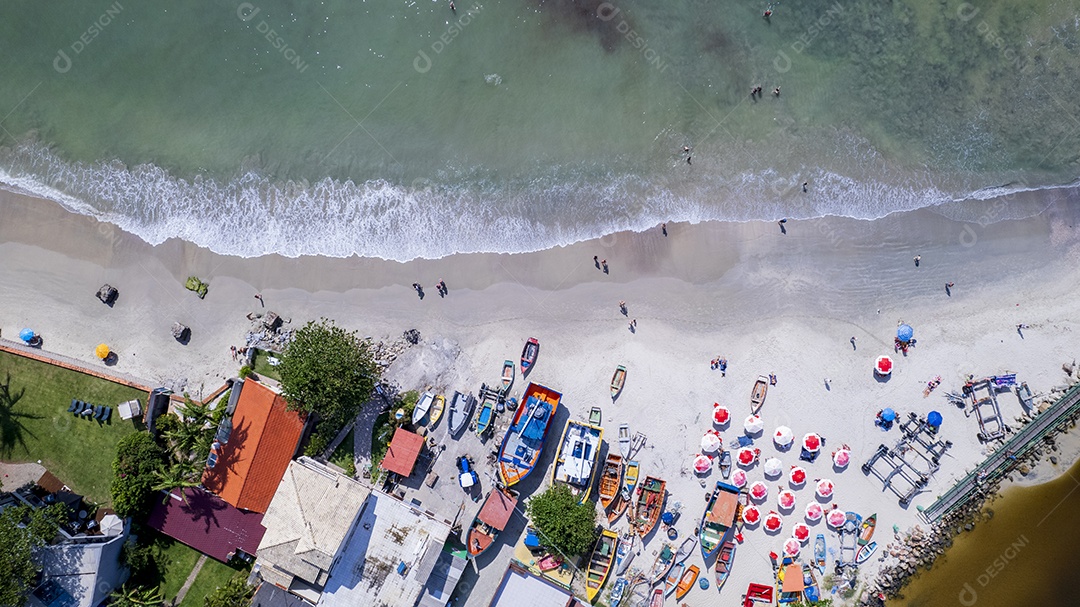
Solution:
(401, 455)
(129, 409)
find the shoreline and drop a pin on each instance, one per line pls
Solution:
(769, 302)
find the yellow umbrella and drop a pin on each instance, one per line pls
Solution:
(102, 351)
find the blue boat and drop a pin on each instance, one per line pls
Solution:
(718, 522)
(524, 441)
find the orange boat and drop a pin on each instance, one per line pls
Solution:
(618, 506)
(524, 441)
(610, 480)
(687, 582)
(492, 518)
(649, 504)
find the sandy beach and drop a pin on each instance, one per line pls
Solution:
(767, 301)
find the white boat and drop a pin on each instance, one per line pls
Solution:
(461, 408)
(420, 411)
(624, 441)
(625, 554)
(576, 460)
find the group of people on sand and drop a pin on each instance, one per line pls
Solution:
(720, 363)
(440, 288)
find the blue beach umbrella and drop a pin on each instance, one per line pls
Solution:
(26, 334)
(904, 332)
(888, 414)
(933, 418)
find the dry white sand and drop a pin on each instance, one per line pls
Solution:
(768, 302)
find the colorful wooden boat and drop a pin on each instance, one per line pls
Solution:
(686, 582)
(575, 461)
(437, 408)
(619, 591)
(624, 555)
(528, 355)
(610, 480)
(721, 514)
(624, 441)
(617, 381)
(663, 563)
(725, 464)
(507, 376)
(867, 531)
(600, 563)
(492, 518)
(757, 395)
(819, 552)
(549, 562)
(618, 506)
(485, 416)
(524, 441)
(724, 562)
(657, 599)
(630, 479)
(671, 581)
(865, 553)
(422, 407)
(596, 415)
(811, 591)
(685, 548)
(650, 503)
(789, 582)
(758, 593)
(461, 408)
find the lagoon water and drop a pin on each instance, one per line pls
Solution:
(402, 130)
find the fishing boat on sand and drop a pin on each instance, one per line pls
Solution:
(867, 530)
(630, 478)
(486, 415)
(618, 591)
(811, 592)
(789, 582)
(491, 519)
(624, 440)
(718, 522)
(686, 582)
(650, 502)
(819, 553)
(549, 562)
(461, 408)
(617, 381)
(524, 441)
(507, 376)
(528, 355)
(865, 553)
(610, 480)
(724, 561)
(618, 506)
(663, 563)
(422, 407)
(600, 563)
(575, 461)
(437, 410)
(757, 395)
(671, 581)
(758, 593)
(625, 497)
(725, 464)
(657, 599)
(624, 555)
(685, 549)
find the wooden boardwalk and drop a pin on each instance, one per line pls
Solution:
(1001, 462)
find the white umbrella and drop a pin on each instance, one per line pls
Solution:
(753, 424)
(111, 525)
(824, 488)
(711, 441)
(772, 467)
(783, 436)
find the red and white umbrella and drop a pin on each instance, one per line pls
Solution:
(720, 415)
(753, 424)
(812, 442)
(772, 467)
(797, 476)
(824, 488)
(738, 478)
(791, 547)
(711, 441)
(748, 456)
(814, 511)
(751, 515)
(883, 365)
(773, 522)
(759, 491)
(800, 532)
(841, 457)
(836, 517)
(702, 463)
(783, 436)
(786, 499)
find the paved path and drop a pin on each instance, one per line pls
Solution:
(190, 580)
(363, 425)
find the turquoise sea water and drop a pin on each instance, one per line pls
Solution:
(403, 129)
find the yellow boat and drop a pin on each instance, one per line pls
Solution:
(436, 410)
(600, 563)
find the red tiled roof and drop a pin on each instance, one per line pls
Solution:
(264, 439)
(401, 455)
(207, 524)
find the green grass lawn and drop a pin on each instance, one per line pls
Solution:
(381, 434)
(344, 455)
(212, 575)
(35, 424)
(176, 561)
(264, 368)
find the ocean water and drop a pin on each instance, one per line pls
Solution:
(404, 129)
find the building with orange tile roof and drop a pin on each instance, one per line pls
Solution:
(264, 438)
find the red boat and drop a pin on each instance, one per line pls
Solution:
(528, 355)
(757, 593)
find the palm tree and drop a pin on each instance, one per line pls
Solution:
(137, 597)
(180, 475)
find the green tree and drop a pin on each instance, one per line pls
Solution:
(22, 531)
(177, 475)
(327, 370)
(235, 593)
(139, 459)
(564, 524)
(136, 597)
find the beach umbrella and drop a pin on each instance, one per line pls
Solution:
(812, 442)
(888, 414)
(772, 466)
(702, 463)
(814, 511)
(102, 351)
(748, 456)
(753, 424)
(738, 478)
(711, 441)
(26, 334)
(759, 491)
(883, 365)
(791, 547)
(111, 525)
(783, 436)
(751, 515)
(797, 475)
(773, 522)
(904, 333)
(800, 532)
(836, 517)
(824, 488)
(933, 418)
(720, 415)
(841, 457)
(786, 499)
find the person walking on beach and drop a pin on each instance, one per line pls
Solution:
(776, 91)
(603, 263)
(663, 228)
(918, 258)
(259, 297)
(804, 185)
(948, 288)
(772, 379)
(622, 307)
(783, 228)
(233, 350)
(853, 338)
